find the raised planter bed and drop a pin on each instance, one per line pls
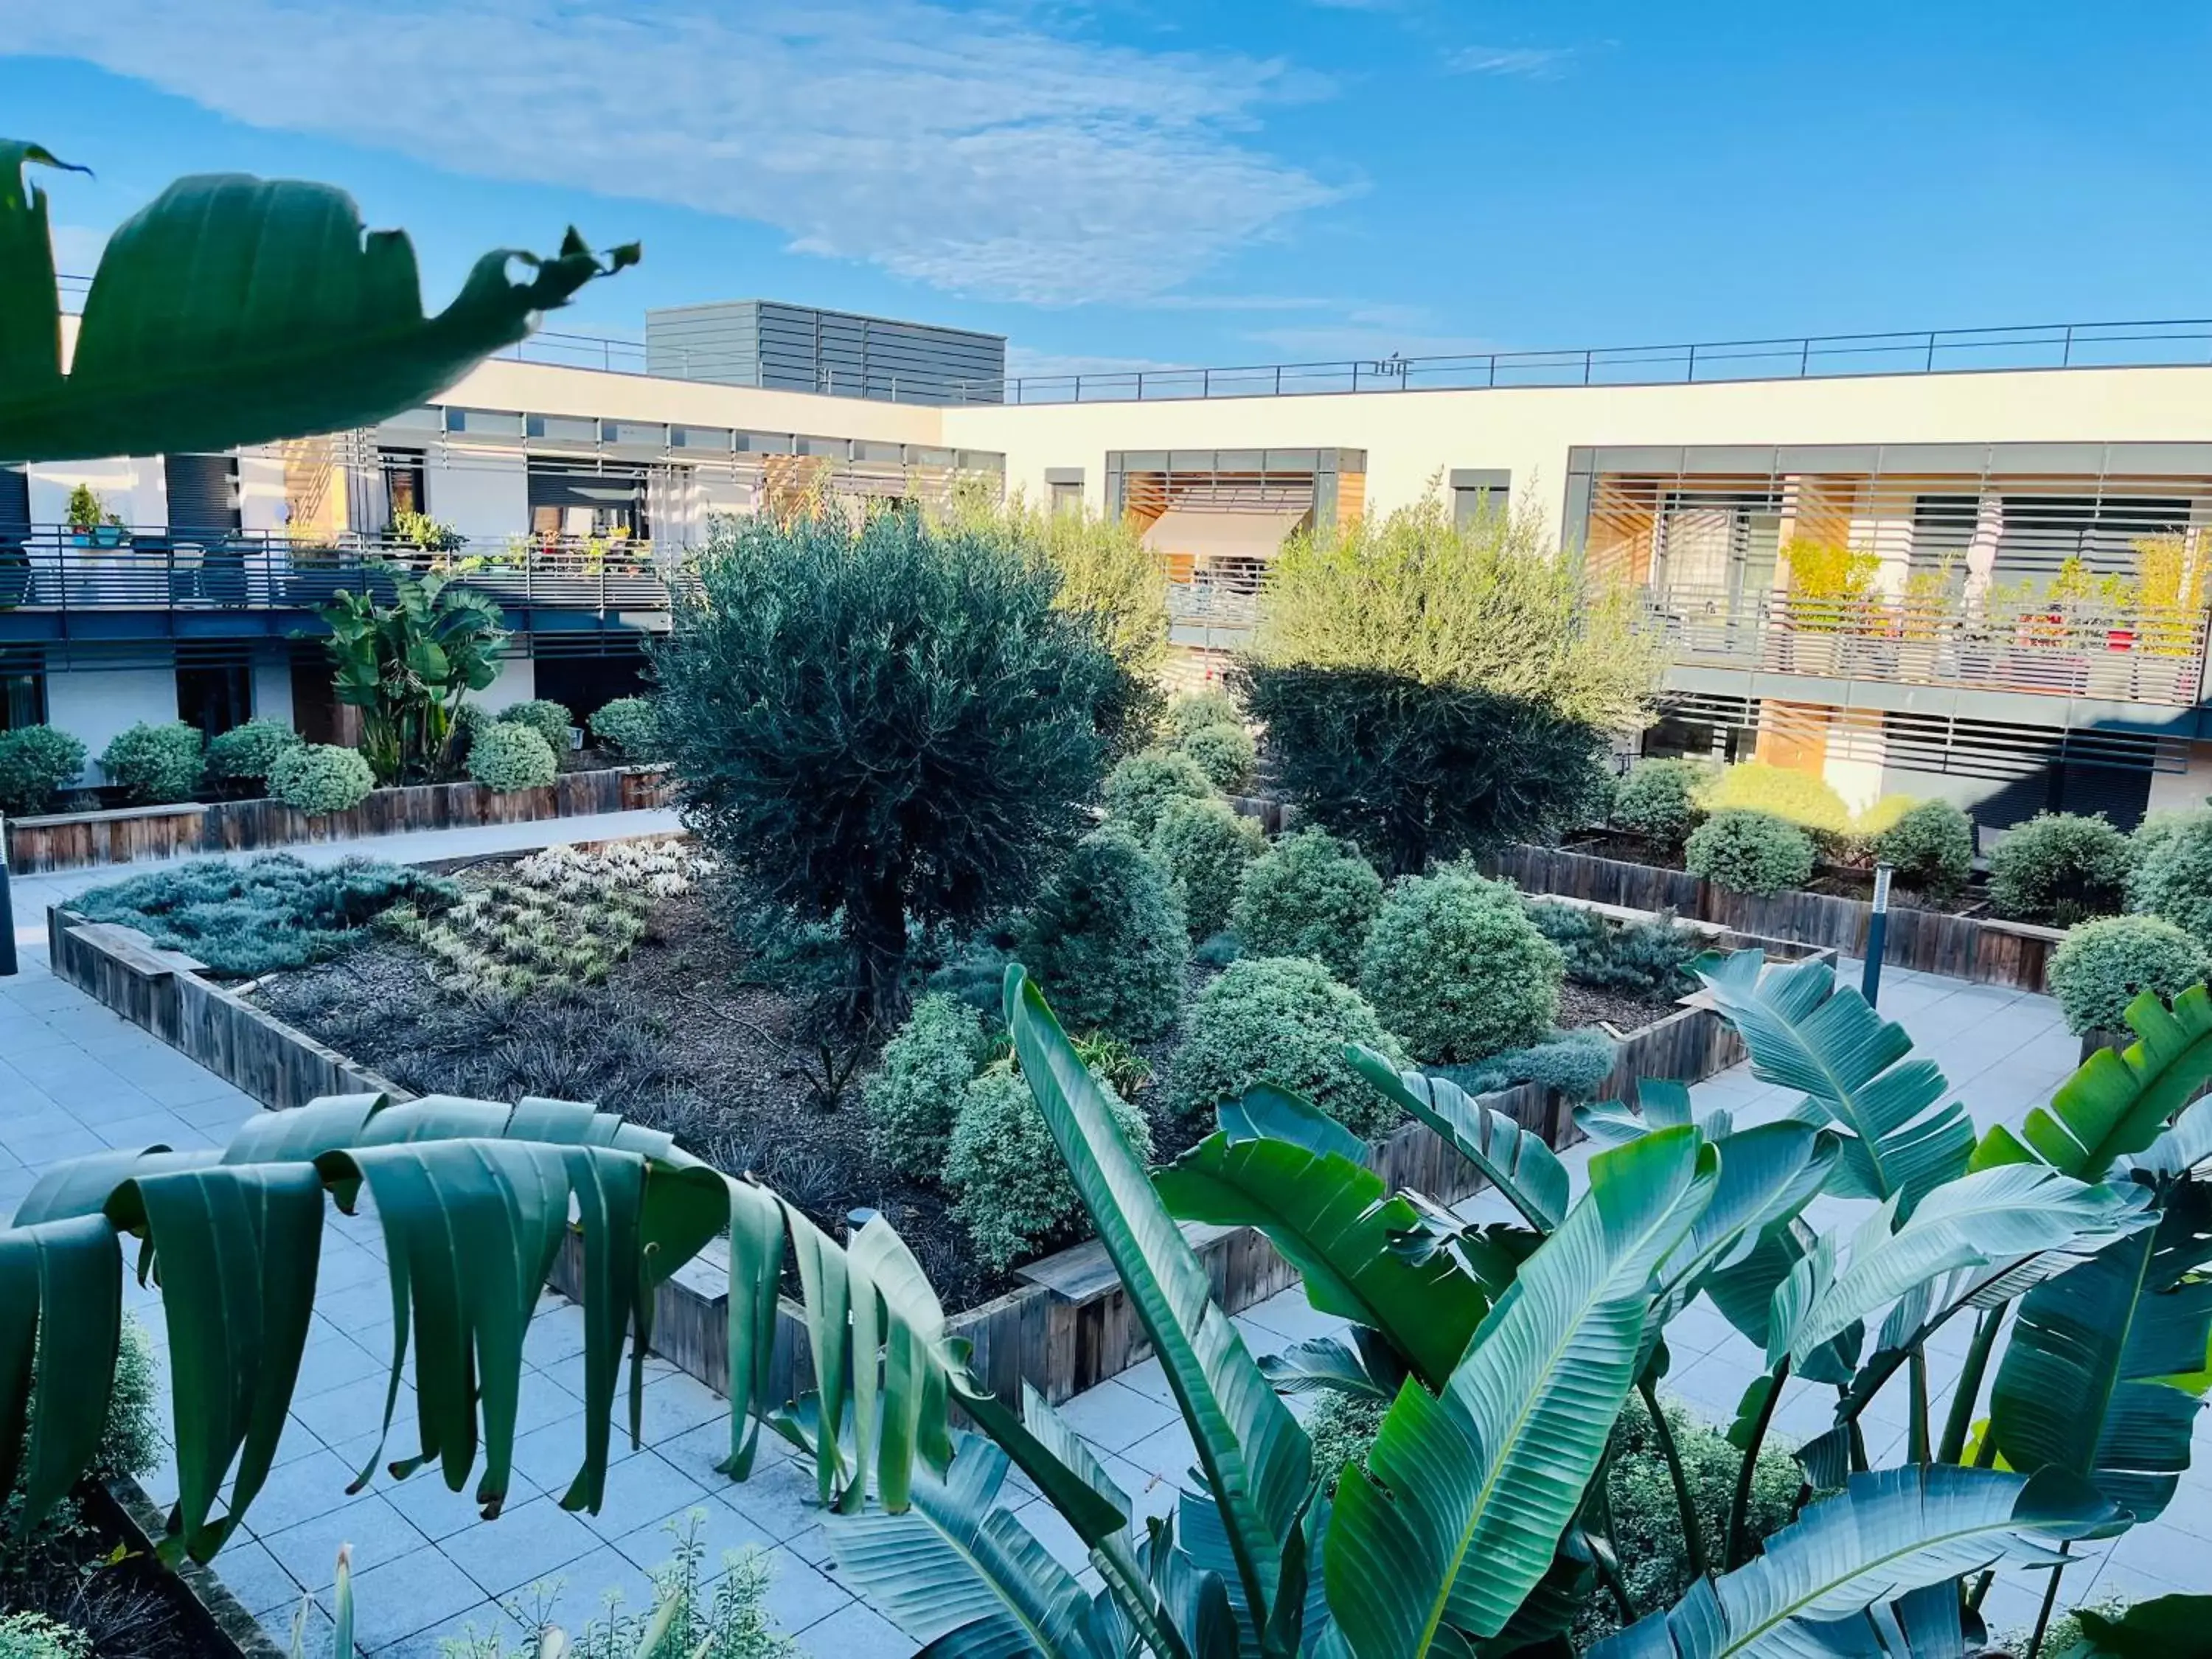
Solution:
(1065, 1328)
(74, 840)
(1981, 948)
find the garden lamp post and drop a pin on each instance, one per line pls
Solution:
(1877, 933)
(7, 964)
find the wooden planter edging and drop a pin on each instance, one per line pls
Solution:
(122, 1510)
(1981, 948)
(1067, 1328)
(76, 841)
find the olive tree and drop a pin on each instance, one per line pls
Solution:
(884, 725)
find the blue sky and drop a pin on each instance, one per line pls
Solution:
(1144, 182)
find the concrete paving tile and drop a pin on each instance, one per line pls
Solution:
(397, 1598)
(639, 1491)
(675, 1405)
(799, 1594)
(1166, 1452)
(589, 1584)
(855, 1632)
(256, 1578)
(531, 1541)
(378, 1534)
(719, 1530)
(1112, 1417)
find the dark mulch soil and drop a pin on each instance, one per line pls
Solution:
(1836, 881)
(1586, 1005)
(130, 1606)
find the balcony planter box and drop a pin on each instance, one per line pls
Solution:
(76, 841)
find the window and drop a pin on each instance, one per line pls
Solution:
(564, 428)
(404, 486)
(1067, 497)
(214, 697)
(1478, 490)
(2041, 533)
(485, 423)
(22, 690)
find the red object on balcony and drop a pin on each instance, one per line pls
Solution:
(2119, 639)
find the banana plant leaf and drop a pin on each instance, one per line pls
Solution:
(1886, 1535)
(1995, 1215)
(1473, 1488)
(957, 1561)
(1527, 1173)
(1265, 1111)
(233, 311)
(61, 1323)
(2090, 1380)
(1854, 1068)
(1257, 1461)
(1367, 1366)
(1661, 1103)
(2168, 1627)
(2181, 1148)
(1331, 1218)
(2118, 1102)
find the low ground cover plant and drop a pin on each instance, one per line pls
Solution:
(1647, 958)
(252, 917)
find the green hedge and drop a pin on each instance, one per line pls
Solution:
(238, 760)
(507, 755)
(321, 777)
(155, 764)
(1139, 787)
(1281, 1020)
(2104, 964)
(1016, 1197)
(35, 761)
(1309, 894)
(1207, 846)
(1749, 851)
(2061, 868)
(1455, 968)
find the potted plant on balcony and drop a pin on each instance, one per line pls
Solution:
(2083, 608)
(1831, 597)
(2168, 636)
(1925, 613)
(91, 525)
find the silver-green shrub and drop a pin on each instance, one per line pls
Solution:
(549, 720)
(1749, 851)
(2104, 965)
(1207, 847)
(1225, 753)
(914, 1093)
(154, 763)
(1015, 1196)
(1932, 845)
(238, 761)
(1455, 968)
(507, 755)
(1658, 798)
(1139, 786)
(1281, 1020)
(631, 726)
(36, 760)
(1309, 894)
(2060, 868)
(1107, 940)
(1577, 1063)
(2172, 877)
(321, 777)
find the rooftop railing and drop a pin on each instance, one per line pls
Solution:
(59, 568)
(2120, 653)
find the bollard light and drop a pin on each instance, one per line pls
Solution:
(1877, 933)
(8, 963)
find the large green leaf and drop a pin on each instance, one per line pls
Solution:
(2168, 1627)
(1473, 1488)
(237, 311)
(1332, 1220)
(956, 1561)
(61, 1320)
(2119, 1100)
(2083, 1385)
(1804, 1032)
(1886, 1535)
(1993, 1217)
(1527, 1173)
(1256, 1461)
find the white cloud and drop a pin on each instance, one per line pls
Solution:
(1529, 63)
(970, 150)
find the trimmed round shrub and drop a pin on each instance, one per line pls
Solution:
(1137, 787)
(153, 764)
(1931, 842)
(631, 726)
(1207, 846)
(2104, 965)
(1749, 851)
(1281, 1020)
(2172, 877)
(507, 755)
(914, 1094)
(1195, 711)
(549, 720)
(1309, 894)
(238, 761)
(35, 761)
(1107, 940)
(1658, 798)
(1804, 799)
(321, 777)
(1226, 754)
(1455, 968)
(1015, 1196)
(2061, 868)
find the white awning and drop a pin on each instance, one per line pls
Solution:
(1222, 535)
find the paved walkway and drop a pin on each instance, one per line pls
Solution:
(75, 1078)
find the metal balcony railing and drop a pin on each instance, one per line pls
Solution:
(2144, 654)
(1202, 604)
(111, 567)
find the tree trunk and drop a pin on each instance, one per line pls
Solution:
(875, 927)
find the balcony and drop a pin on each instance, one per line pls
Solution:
(1214, 617)
(2110, 653)
(58, 572)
